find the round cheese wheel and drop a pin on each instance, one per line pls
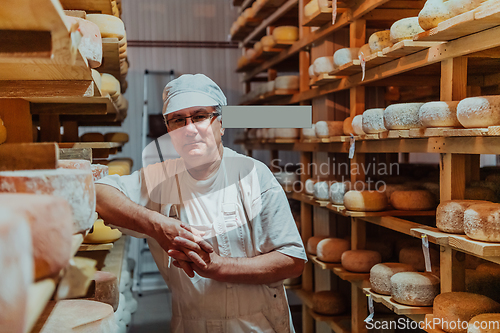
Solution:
(360, 261)
(286, 133)
(380, 40)
(405, 29)
(388, 189)
(437, 11)
(357, 125)
(482, 222)
(326, 129)
(242, 61)
(413, 200)
(485, 323)
(249, 13)
(321, 190)
(328, 303)
(311, 72)
(494, 186)
(373, 121)
(489, 267)
(413, 288)
(365, 201)
(257, 47)
(269, 86)
(120, 168)
(109, 25)
(345, 56)
(91, 43)
(380, 275)
(364, 51)
(323, 65)
(250, 54)
(348, 130)
(311, 8)
(479, 193)
(481, 111)
(309, 132)
(439, 114)
(402, 116)
(92, 137)
(286, 33)
(267, 41)
(109, 85)
(450, 215)
(452, 307)
(287, 82)
(494, 177)
(286, 178)
(331, 249)
(338, 190)
(312, 243)
(106, 289)
(414, 256)
(309, 186)
(99, 171)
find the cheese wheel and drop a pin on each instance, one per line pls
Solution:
(482, 222)
(106, 289)
(267, 41)
(102, 234)
(380, 40)
(242, 61)
(287, 82)
(494, 177)
(323, 65)
(51, 223)
(311, 8)
(388, 189)
(269, 86)
(345, 56)
(439, 114)
(413, 288)
(109, 85)
(74, 164)
(402, 116)
(309, 132)
(312, 243)
(286, 178)
(450, 215)
(249, 13)
(116, 137)
(414, 256)
(405, 29)
(365, 201)
(286, 133)
(338, 190)
(3, 132)
(286, 33)
(309, 186)
(357, 125)
(92, 137)
(479, 193)
(250, 54)
(80, 316)
(241, 21)
(311, 72)
(494, 186)
(413, 200)
(373, 121)
(364, 51)
(452, 307)
(348, 130)
(360, 261)
(120, 164)
(326, 129)
(485, 323)
(328, 303)
(437, 11)
(99, 171)
(257, 47)
(481, 111)
(91, 43)
(109, 26)
(321, 190)
(331, 249)
(75, 186)
(380, 275)
(16, 268)
(483, 282)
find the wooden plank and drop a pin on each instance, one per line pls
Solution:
(376, 59)
(452, 178)
(16, 117)
(391, 213)
(95, 247)
(348, 69)
(484, 249)
(41, 88)
(392, 14)
(322, 79)
(322, 264)
(350, 276)
(394, 223)
(89, 6)
(434, 235)
(27, 156)
(396, 307)
(111, 58)
(359, 310)
(320, 18)
(406, 47)
(465, 132)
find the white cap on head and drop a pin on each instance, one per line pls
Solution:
(190, 90)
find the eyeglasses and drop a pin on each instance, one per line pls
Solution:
(178, 122)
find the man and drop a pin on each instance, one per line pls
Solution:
(251, 243)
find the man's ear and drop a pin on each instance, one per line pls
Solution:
(221, 131)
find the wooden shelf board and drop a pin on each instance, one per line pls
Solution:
(249, 66)
(39, 294)
(266, 52)
(93, 145)
(376, 59)
(406, 47)
(348, 69)
(396, 307)
(350, 276)
(464, 243)
(309, 199)
(95, 247)
(435, 235)
(336, 208)
(394, 223)
(111, 58)
(390, 213)
(322, 264)
(113, 261)
(89, 6)
(320, 18)
(283, 44)
(72, 105)
(323, 79)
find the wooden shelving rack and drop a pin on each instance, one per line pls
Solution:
(459, 52)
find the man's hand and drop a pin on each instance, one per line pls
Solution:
(211, 270)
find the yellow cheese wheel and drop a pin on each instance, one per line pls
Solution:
(109, 25)
(485, 323)
(311, 8)
(267, 41)
(380, 40)
(109, 85)
(3, 132)
(286, 33)
(365, 201)
(102, 234)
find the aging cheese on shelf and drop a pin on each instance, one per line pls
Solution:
(380, 275)
(454, 306)
(116, 166)
(389, 189)
(309, 186)
(16, 271)
(312, 243)
(75, 186)
(331, 249)
(91, 43)
(481, 111)
(116, 137)
(450, 215)
(482, 222)
(107, 289)
(326, 129)
(109, 26)
(345, 55)
(250, 53)
(414, 256)
(364, 51)
(311, 8)
(405, 29)
(357, 125)
(286, 33)
(286, 133)
(109, 85)
(402, 116)
(309, 132)
(360, 261)
(287, 82)
(439, 114)
(267, 41)
(328, 303)
(3, 132)
(257, 47)
(348, 130)
(380, 40)
(413, 288)
(338, 190)
(92, 137)
(483, 282)
(479, 193)
(413, 200)
(323, 65)
(102, 234)
(365, 201)
(437, 11)
(373, 121)
(321, 190)
(99, 171)
(311, 72)
(483, 323)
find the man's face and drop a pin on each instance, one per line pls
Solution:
(198, 141)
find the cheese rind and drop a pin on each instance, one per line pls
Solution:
(338, 190)
(331, 249)
(286, 133)
(373, 121)
(309, 186)
(405, 29)
(309, 132)
(413, 288)
(360, 261)
(312, 243)
(437, 11)
(287, 82)
(109, 25)
(74, 164)
(92, 137)
(321, 190)
(286, 33)
(267, 41)
(413, 200)
(380, 275)
(365, 201)
(99, 171)
(479, 193)
(328, 303)
(326, 129)
(439, 114)
(323, 65)
(380, 40)
(482, 222)
(481, 111)
(364, 51)
(450, 215)
(106, 289)
(345, 55)
(357, 125)
(110, 86)
(402, 116)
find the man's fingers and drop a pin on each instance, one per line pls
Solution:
(206, 246)
(187, 268)
(197, 259)
(186, 243)
(178, 255)
(193, 230)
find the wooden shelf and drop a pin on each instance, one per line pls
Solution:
(406, 47)
(324, 265)
(269, 96)
(320, 18)
(359, 278)
(348, 69)
(72, 105)
(90, 6)
(391, 213)
(248, 66)
(376, 59)
(95, 247)
(323, 79)
(397, 308)
(99, 149)
(111, 58)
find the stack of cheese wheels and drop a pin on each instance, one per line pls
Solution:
(437, 11)
(110, 86)
(453, 307)
(311, 8)
(51, 223)
(99, 171)
(312, 243)
(287, 82)
(450, 215)
(326, 129)
(80, 316)
(405, 29)
(380, 40)
(388, 189)
(328, 303)
(364, 51)
(116, 137)
(286, 133)
(479, 193)
(413, 288)
(439, 114)
(360, 261)
(481, 111)
(323, 65)
(402, 116)
(414, 256)
(3, 132)
(413, 200)
(479, 324)
(106, 289)
(365, 201)
(91, 43)
(92, 137)
(321, 190)
(380, 275)
(482, 222)
(309, 133)
(75, 186)
(286, 33)
(309, 186)
(348, 130)
(357, 125)
(338, 190)
(345, 56)
(16, 271)
(331, 249)
(373, 121)
(102, 234)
